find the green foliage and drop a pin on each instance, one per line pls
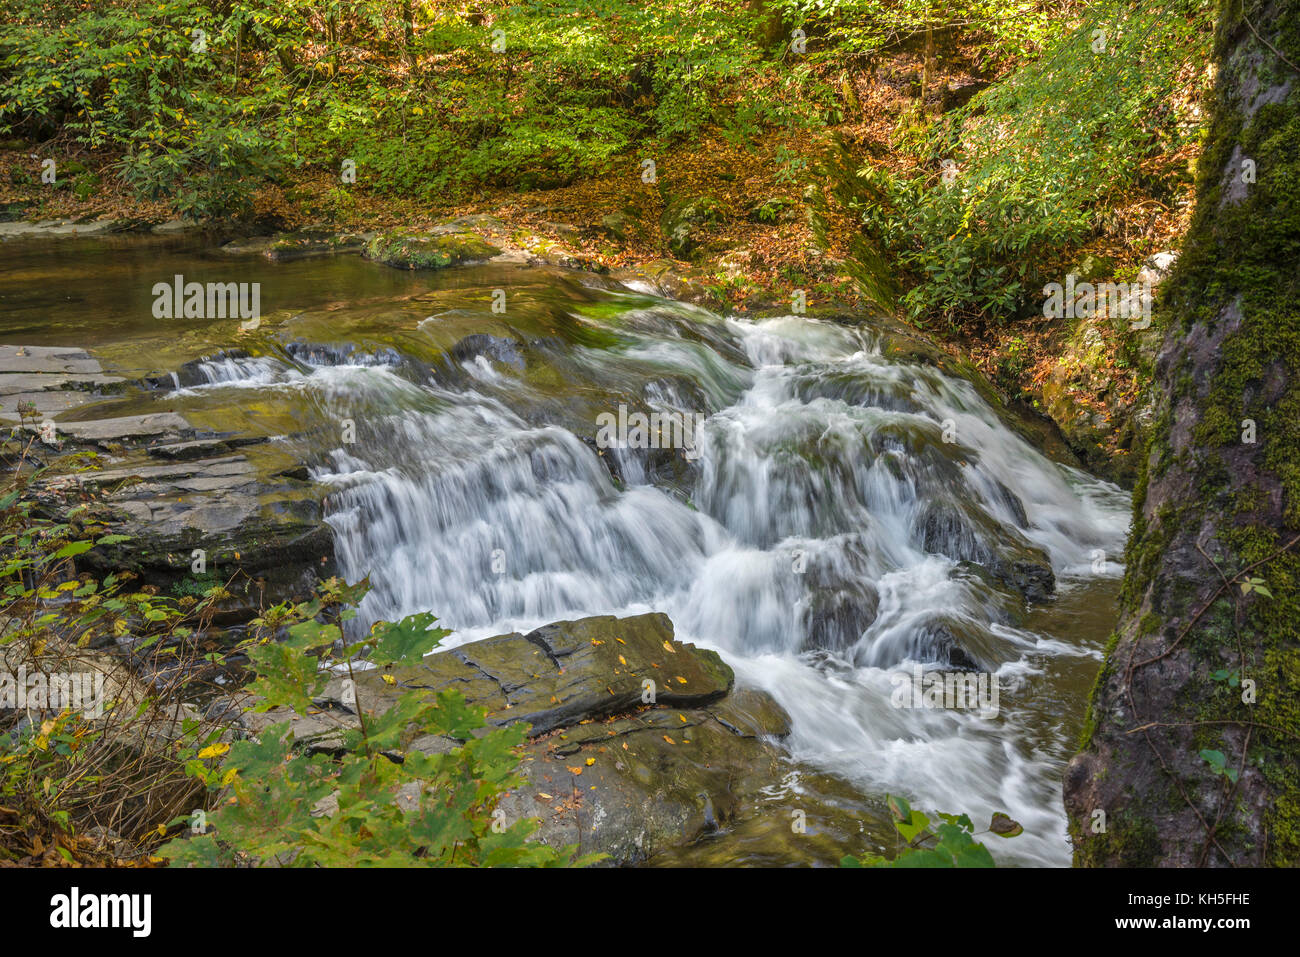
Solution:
(953, 836)
(64, 769)
(277, 804)
(202, 101)
(1032, 165)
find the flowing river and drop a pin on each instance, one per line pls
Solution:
(847, 509)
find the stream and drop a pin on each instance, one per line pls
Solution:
(813, 532)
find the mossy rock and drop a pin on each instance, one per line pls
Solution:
(683, 217)
(404, 250)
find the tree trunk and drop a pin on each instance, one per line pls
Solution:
(408, 36)
(927, 64)
(1189, 754)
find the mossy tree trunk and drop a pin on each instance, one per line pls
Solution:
(1190, 752)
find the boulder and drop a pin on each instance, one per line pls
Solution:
(607, 766)
(438, 250)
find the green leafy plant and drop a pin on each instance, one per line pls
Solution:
(1218, 763)
(947, 842)
(1255, 585)
(110, 763)
(376, 801)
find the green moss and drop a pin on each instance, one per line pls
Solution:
(1237, 278)
(1130, 840)
(406, 250)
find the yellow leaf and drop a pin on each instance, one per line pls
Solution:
(162, 830)
(681, 679)
(683, 717)
(590, 762)
(669, 648)
(669, 740)
(622, 660)
(574, 770)
(229, 776)
(544, 796)
(389, 679)
(213, 751)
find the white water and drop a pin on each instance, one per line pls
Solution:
(453, 502)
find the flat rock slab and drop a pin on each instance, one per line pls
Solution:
(58, 227)
(45, 403)
(127, 427)
(47, 359)
(16, 382)
(50, 380)
(567, 672)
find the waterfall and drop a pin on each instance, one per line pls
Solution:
(843, 516)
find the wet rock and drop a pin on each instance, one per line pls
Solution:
(945, 529)
(1013, 504)
(58, 227)
(842, 603)
(496, 348)
(308, 243)
(603, 768)
(260, 535)
(437, 250)
(174, 226)
(947, 641)
(127, 429)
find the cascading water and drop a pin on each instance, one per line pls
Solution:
(841, 516)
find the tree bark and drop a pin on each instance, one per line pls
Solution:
(1189, 754)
